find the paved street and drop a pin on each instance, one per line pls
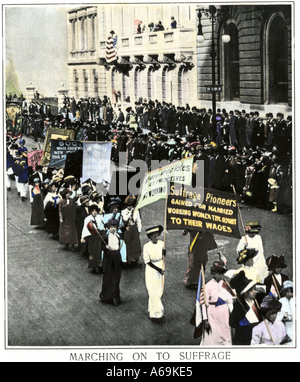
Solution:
(52, 298)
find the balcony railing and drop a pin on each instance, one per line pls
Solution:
(162, 42)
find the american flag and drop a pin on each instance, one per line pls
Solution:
(200, 312)
(110, 49)
(273, 291)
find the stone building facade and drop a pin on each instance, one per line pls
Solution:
(254, 68)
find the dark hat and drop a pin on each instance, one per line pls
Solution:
(130, 200)
(85, 188)
(241, 283)
(275, 261)
(64, 192)
(270, 303)
(155, 229)
(84, 199)
(218, 266)
(111, 222)
(94, 207)
(246, 254)
(56, 179)
(252, 227)
(69, 179)
(113, 202)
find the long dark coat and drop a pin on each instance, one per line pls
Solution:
(52, 216)
(111, 274)
(37, 209)
(243, 333)
(67, 229)
(204, 242)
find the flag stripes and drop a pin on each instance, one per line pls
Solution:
(110, 49)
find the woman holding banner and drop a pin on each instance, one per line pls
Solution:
(200, 244)
(153, 254)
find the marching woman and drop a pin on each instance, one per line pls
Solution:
(274, 282)
(220, 304)
(92, 234)
(51, 203)
(133, 223)
(287, 314)
(112, 269)
(21, 177)
(67, 227)
(252, 239)
(113, 213)
(37, 206)
(245, 259)
(200, 244)
(244, 315)
(153, 254)
(270, 331)
(82, 212)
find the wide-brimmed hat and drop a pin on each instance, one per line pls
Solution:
(155, 229)
(246, 254)
(241, 283)
(275, 261)
(288, 284)
(65, 191)
(270, 303)
(94, 207)
(130, 200)
(84, 199)
(69, 179)
(113, 202)
(252, 227)
(56, 179)
(113, 222)
(218, 266)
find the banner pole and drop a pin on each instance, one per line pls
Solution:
(165, 222)
(240, 215)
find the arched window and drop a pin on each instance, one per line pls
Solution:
(137, 83)
(151, 83)
(232, 65)
(125, 87)
(277, 61)
(164, 84)
(183, 86)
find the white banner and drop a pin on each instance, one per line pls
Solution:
(96, 161)
(155, 183)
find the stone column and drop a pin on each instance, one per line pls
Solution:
(62, 92)
(30, 90)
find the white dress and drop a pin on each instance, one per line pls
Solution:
(259, 260)
(287, 310)
(154, 280)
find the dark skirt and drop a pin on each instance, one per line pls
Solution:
(67, 229)
(133, 243)
(111, 276)
(52, 219)
(198, 255)
(94, 249)
(37, 210)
